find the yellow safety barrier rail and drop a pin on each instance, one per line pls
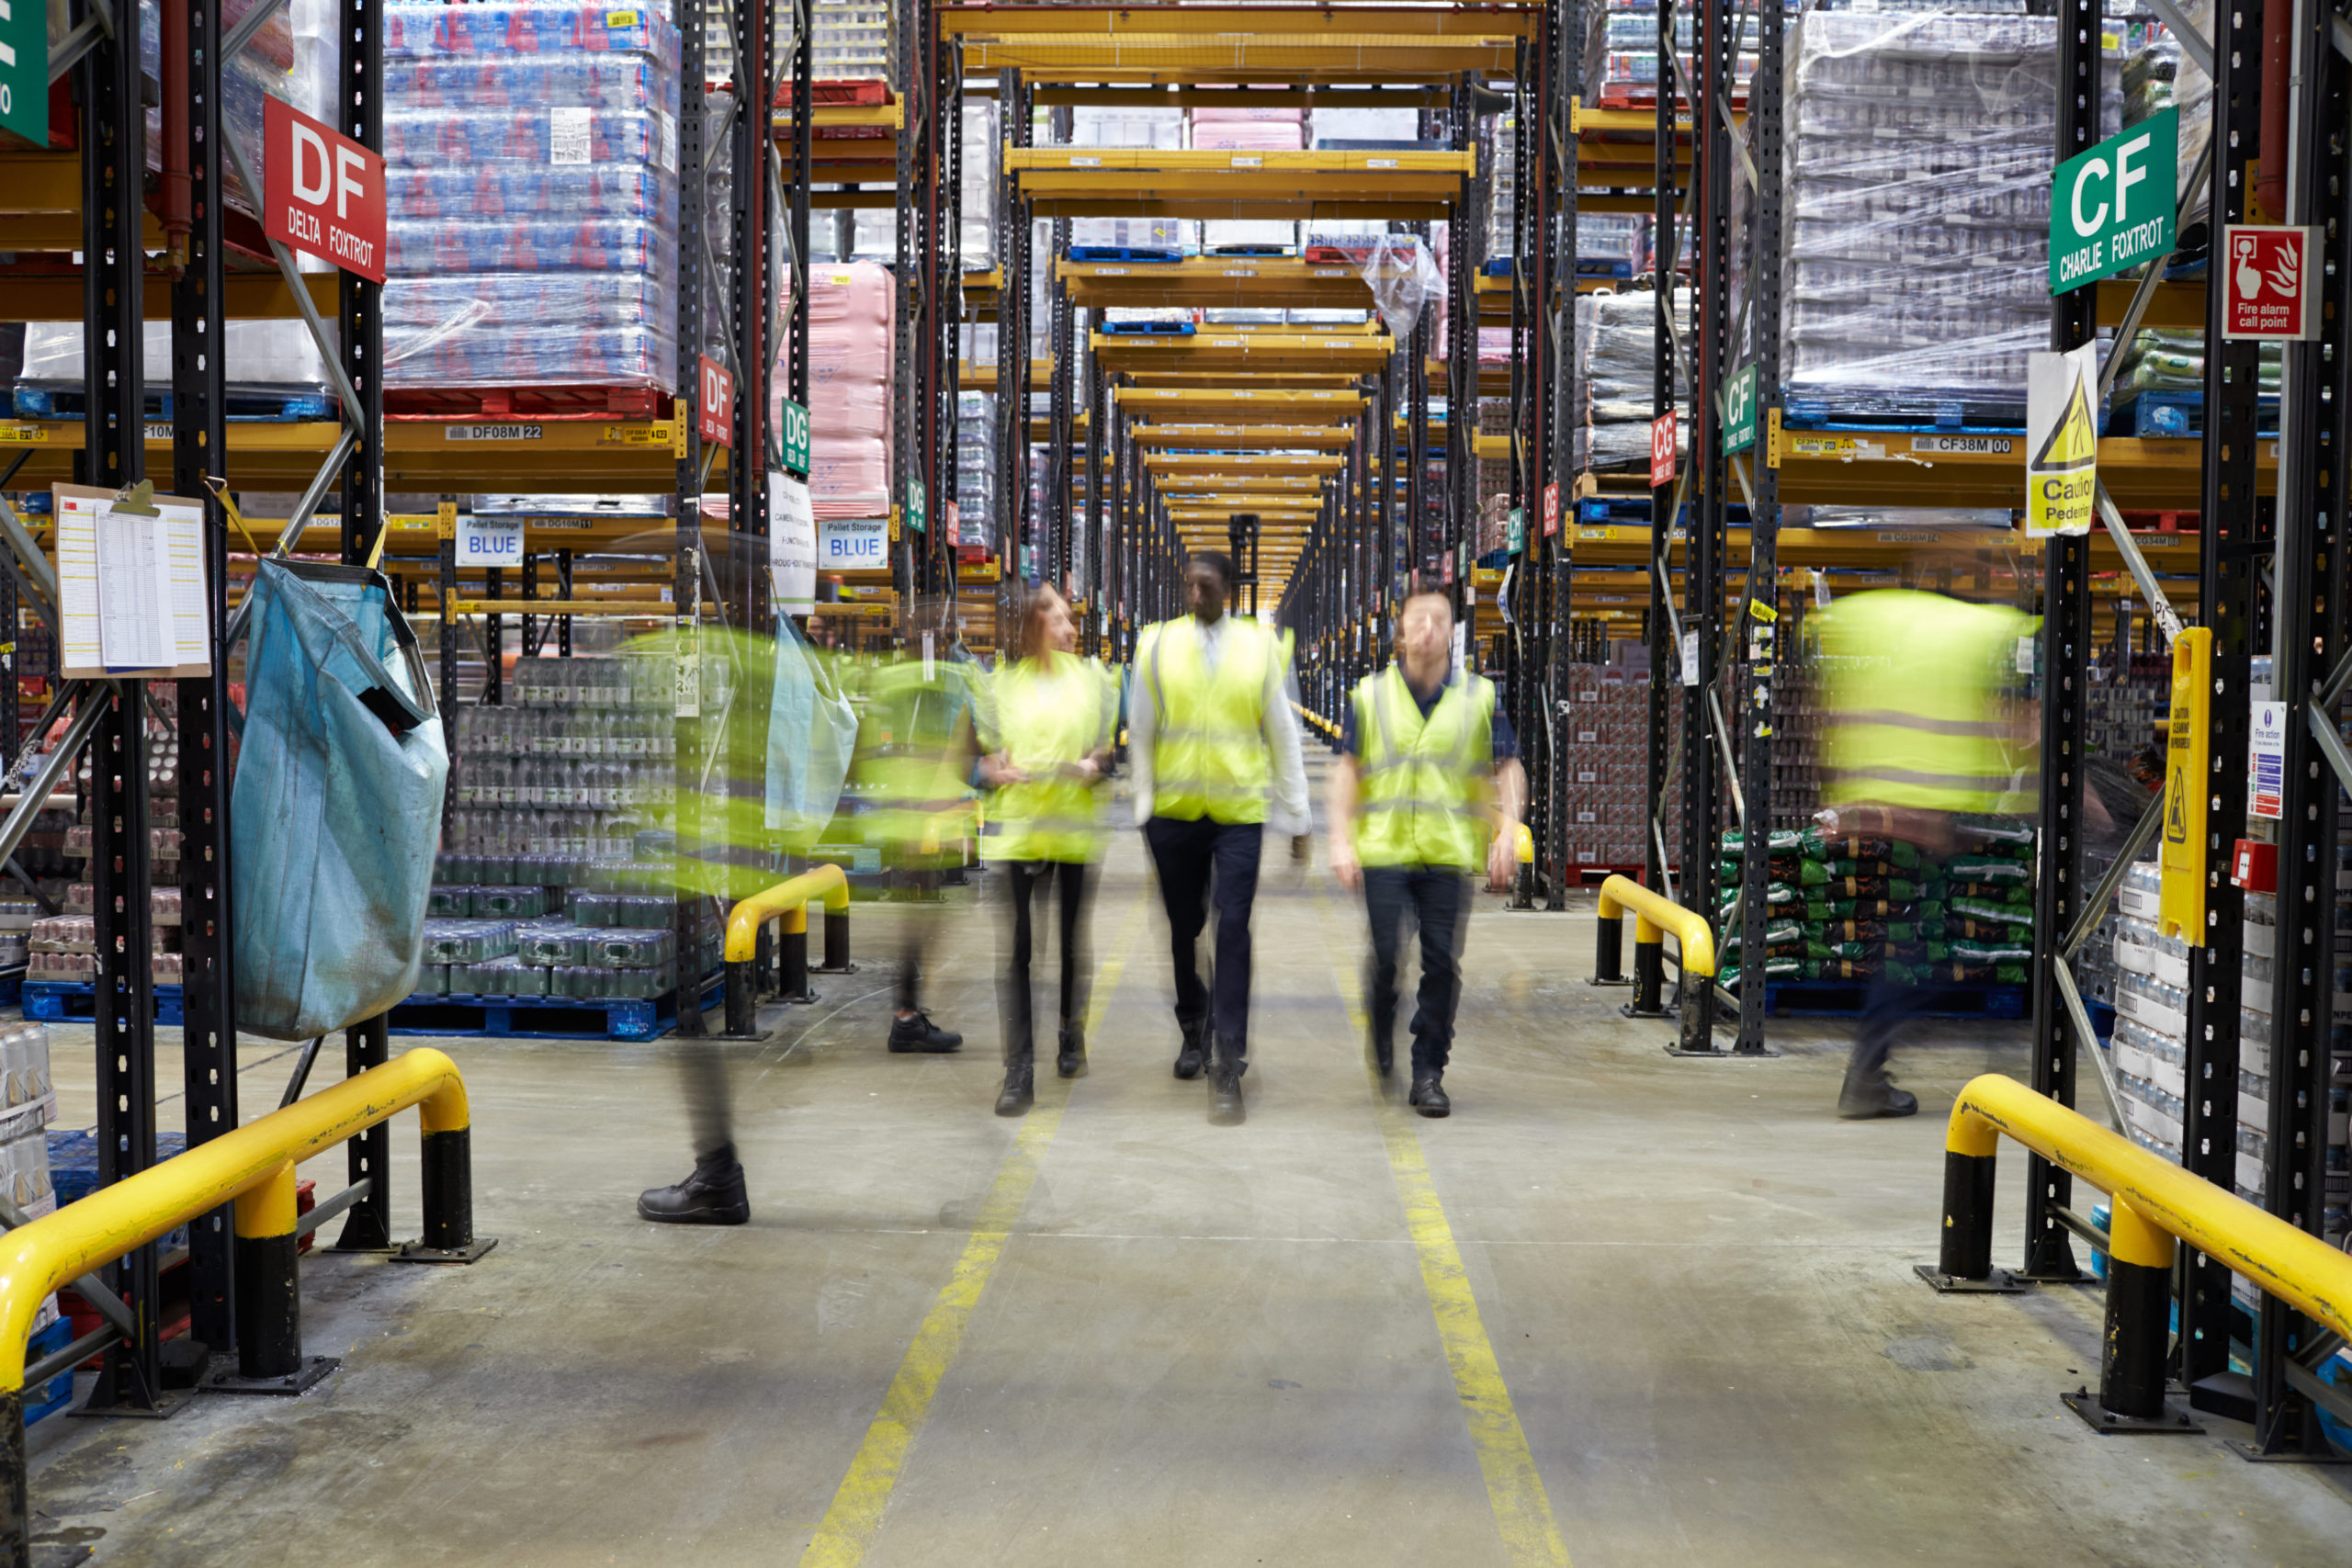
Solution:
(2154, 1201)
(1316, 721)
(252, 1166)
(1654, 914)
(787, 904)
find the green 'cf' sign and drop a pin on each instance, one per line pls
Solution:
(1740, 410)
(2112, 209)
(24, 71)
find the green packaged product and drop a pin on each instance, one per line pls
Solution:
(1785, 840)
(1959, 928)
(1994, 830)
(1988, 868)
(1991, 952)
(1774, 967)
(2015, 893)
(1986, 909)
(1776, 935)
(1838, 969)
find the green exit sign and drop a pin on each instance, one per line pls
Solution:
(2112, 209)
(23, 70)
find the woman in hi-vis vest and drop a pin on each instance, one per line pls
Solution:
(1046, 742)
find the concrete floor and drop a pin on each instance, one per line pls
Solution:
(1198, 1345)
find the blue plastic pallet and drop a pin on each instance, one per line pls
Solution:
(1850, 998)
(76, 1001)
(58, 1391)
(1927, 411)
(543, 1018)
(2156, 415)
(1124, 253)
(39, 400)
(1147, 329)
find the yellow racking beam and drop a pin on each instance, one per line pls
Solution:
(606, 457)
(1518, 17)
(1271, 465)
(1163, 437)
(253, 296)
(1221, 349)
(1917, 468)
(1242, 50)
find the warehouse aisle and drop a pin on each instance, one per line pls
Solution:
(1198, 1345)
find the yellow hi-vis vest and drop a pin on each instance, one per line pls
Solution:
(1045, 723)
(1424, 783)
(1912, 686)
(1208, 751)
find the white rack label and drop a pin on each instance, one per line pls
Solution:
(493, 432)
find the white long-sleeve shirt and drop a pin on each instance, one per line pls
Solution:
(1286, 809)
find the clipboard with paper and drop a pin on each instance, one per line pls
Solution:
(131, 590)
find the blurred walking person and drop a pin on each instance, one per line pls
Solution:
(914, 752)
(1047, 736)
(1216, 761)
(1427, 791)
(1920, 730)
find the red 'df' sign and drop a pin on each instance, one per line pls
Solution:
(714, 402)
(322, 192)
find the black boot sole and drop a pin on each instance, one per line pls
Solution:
(1071, 1067)
(1015, 1107)
(731, 1215)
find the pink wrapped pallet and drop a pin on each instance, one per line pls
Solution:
(850, 352)
(1248, 135)
(1231, 114)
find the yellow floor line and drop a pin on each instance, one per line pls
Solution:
(1523, 1509)
(848, 1527)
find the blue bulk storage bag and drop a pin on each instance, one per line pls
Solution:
(335, 810)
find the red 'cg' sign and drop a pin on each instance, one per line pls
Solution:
(714, 402)
(322, 192)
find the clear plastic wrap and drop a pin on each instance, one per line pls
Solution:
(851, 334)
(975, 469)
(532, 154)
(1916, 234)
(1403, 279)
(467, 940)
(978, 177)
(1616, 376)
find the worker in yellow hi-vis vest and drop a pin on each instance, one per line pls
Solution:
(1922, 730)
(1215, 753)
(1046, 739)
(1427, 793)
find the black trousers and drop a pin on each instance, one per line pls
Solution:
(1438, 902)
(1022, 879)
(1198, 861)
(1889, 1009)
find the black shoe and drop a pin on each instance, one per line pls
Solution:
(713, 1195)
(1194, 1054)
(1864, 1099)
(1072, 1062)
(1020, 1089)
(1225, 1109)
(1429, 1096)
(1384, 1057)
(917, 1033)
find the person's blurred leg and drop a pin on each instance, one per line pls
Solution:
(911, 1030)
(1237, 848)
(1074, 880)
(1441, 900)
(1868, 1091)
(1386, 891)
(714, 1194)
(1015, 1003)
(1180, 854)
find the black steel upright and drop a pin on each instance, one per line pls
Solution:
(2310, 607)
(113, 170)
(1665, 655)
(2235, 530)
(1763, 642)
(199, 437)
(359, 114)
(685, 583)
(2062, 660)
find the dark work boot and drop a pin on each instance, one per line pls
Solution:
(1194, 1052)
(1383, 1051)
(713, 1195)
(1071, 1063)
(1429, 1096)
(1867, 1096)
(1225, 1109)
(917, 1033)
(1019, 1086)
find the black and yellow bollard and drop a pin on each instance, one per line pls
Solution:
(446, 1180)
(792, 953)
(269, 1296)
(1649, 971)
(837, 960)
(2139, 1331)
(1609, 949)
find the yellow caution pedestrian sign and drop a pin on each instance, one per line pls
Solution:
(2062, 438)
(2180, 902)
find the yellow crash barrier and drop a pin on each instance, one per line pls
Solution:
(2154, 1201)
(1654, 916)
(787, 903)
(252, 1166)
